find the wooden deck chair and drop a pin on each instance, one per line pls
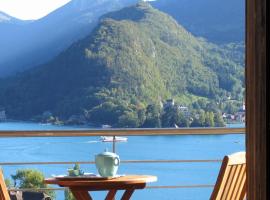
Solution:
(231, 181)
(3, 189)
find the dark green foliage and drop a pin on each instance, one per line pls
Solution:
(183, 120)
(199, 119)
(209, 119)
(30, 178)
(128, 120)
(170, 117)
(231, 107)
(133, 58)
(152, 119)
(218, 119)
(8, 182)
(69, 195)
(173, 117)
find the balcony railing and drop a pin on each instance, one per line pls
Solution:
(121, 132)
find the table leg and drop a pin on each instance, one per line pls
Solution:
(81, 195)
(111, 195)
(128, 193)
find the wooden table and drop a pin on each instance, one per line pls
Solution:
(80, 188)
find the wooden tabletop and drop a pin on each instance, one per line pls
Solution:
(117, 182)
(80, 187)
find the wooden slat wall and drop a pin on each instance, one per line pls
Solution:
(257, 122)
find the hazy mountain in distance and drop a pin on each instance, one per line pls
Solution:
(25, 45)
(10, 30)
(7, 19)
(218, 21)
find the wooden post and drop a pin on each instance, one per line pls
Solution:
(257, 98)
(114, 144)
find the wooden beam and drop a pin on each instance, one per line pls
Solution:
(123, 132)
(257, 122)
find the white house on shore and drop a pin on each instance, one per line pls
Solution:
(184, 110)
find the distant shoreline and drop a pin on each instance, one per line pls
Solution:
(30, 125)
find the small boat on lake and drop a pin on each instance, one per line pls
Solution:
(112, 138)
(106, 126)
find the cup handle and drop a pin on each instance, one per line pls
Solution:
(116, 161)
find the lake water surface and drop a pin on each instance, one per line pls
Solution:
(143, 147)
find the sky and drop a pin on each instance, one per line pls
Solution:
(30, 9)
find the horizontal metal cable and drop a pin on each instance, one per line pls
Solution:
(123, 132)
(147, 187)
(36, 189)
(123, 162)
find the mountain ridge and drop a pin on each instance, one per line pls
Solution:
(39, 41)
(133, 57)
(217, 21)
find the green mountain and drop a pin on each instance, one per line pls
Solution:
(135, 57)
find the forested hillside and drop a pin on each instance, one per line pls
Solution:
(135, 57)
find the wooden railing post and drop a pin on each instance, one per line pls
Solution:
(257, 92)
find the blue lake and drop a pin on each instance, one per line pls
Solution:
(146, 147)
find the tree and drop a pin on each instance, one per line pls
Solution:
(218, 119)
(31, 178)
(8, 182)
(69, 195)
(212, 106)
(230, 108)
(171, 116)
(202, 103)
(152, 117)
(198, 119)
(128, 120)
(183, 121)
(209, 119)
(141, 116)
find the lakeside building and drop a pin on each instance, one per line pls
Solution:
(169, 103)
(239, 116)
(184, 110)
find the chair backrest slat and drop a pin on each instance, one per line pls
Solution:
(239, 182)
(234, 183)
(3, 189)
(228, 183)
(231, 180)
